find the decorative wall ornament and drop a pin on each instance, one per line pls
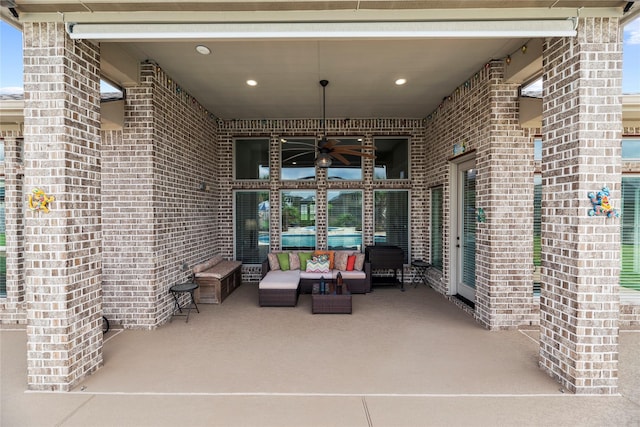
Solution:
(459, 149)
(39, 201)
(482, 217)
(601, 205)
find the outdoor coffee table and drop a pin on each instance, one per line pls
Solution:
(330, 302)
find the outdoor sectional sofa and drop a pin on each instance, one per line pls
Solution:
(280, 287)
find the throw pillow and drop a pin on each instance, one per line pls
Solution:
(359, 265)
(331, 257)
(351, 262)
(274, 264)
(283, 259)
(294, 261)
(315, 265)
(341, 260)
(304, 257)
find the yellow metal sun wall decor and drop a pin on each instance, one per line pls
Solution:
(39, 201)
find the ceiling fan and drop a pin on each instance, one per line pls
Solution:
(331, 148)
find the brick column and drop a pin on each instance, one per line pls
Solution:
(504, 190)
(582, 125)
(62, 247)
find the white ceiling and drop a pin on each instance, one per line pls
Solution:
(361, 74)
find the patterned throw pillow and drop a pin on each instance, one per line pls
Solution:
(318, 265)
(331, 254)
(274, 264)
(294, 261)
(359, 262)
(341, 260)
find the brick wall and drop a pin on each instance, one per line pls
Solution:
(582, 118)
(62, 248)
(156, 219)
(13, 307)
(482, 114)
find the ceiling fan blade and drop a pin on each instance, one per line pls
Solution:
(340, 157)
(352, 147)
(294, 156)
(354, 153)
(305, 144)
(330, 144)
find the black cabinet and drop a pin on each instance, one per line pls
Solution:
(386, 257)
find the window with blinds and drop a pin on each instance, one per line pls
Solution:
(537, 215)
(391, 219)
(344, 211)
(630, 229)
(3, 242)
(251, 226)
(437, 236)
(298, 213)
(469, 218)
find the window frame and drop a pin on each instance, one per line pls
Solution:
(440, 266)
(235, 158)
(236, 238)
(302, 140)
(628, 295)
(351, 140)
(407, 250)
(283, 193)
(361, 219)
(407, 172)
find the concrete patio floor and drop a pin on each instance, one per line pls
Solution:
(401, 359)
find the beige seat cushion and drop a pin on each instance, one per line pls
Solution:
(278, 279)
(207, 264)
(220, 270)
(355, 274)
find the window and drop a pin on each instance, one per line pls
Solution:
(251, 226)
(298, 219)
(352, 171)
(251, 157)
(345, 219)
(3, 243)
(298, 158)
(537, 234)
(391, 219)
(631, 148)
(437, 236)
(630, 229)
(537, 149)
(392, 158)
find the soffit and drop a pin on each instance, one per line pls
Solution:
(361, 72)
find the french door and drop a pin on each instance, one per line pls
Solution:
(465, 265)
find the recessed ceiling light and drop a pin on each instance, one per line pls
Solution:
(203, 50)
(400, 82)
(252, 83)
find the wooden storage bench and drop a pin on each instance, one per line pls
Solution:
(216, 278)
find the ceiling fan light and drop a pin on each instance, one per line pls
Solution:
(323, 160)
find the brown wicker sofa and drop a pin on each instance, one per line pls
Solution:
(216, 279)
(282, 288)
